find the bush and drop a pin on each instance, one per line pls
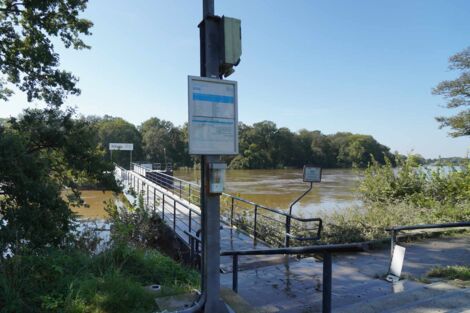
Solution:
(73, 281)
(407, 195)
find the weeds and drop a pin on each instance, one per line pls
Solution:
(451, 272)
(74, 281)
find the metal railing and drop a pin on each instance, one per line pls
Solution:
(260, 222)
(326, 250)
(396, 229)
(178, 214)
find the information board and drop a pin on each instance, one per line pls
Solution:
(121, 146)
(312, 174)
(213, 116)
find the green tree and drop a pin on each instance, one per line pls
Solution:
(115, 129)
(43, 154)
(159, 140)
(28, 31)
(457, 92)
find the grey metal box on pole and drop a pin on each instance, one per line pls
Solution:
(231, 45)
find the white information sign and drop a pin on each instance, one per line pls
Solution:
(121, 146)
(213, 116)
(312, 174)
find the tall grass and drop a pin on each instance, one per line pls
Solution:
(75, 281)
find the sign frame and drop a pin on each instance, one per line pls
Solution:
(306, 177)
(115, 146)
(194, 149)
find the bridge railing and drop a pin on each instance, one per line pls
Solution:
(178, 214)
(261, 222)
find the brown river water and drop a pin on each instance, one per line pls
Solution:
(271, 188)
(278, 188)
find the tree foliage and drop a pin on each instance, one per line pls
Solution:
(263, 145)
(164, 142)
(44, 154)
(116, 130)
(28, 31)
(457, 93)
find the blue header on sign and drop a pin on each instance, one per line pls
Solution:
(213, 98)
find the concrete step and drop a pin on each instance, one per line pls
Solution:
(404, 301)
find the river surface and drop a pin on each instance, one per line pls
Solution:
(279, 188)
(271, 188)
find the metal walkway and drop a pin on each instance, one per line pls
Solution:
(244, 225)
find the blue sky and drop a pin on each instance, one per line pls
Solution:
(359, 66)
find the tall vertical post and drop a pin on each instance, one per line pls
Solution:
(210, 204)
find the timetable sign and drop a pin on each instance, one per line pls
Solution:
(213, 116)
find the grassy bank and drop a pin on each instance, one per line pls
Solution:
(408, 195)
(71, 280)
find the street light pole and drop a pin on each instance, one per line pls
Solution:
(210, 203)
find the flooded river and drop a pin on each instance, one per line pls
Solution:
(278, 188)
(272, 188)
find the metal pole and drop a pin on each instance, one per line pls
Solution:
(287, 236)
(326, 301)
(235, 273)
(210, 204)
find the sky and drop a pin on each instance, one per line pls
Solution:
(361, 66)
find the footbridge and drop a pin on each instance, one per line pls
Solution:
(244, 224)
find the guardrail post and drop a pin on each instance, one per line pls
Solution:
(393, 239)
(163, 207)
(154, 200)
(287, 236)
(190, 220)
(181, 188)
(189, 197)
(174, 215)
(235, 273)
(231, 213)
(327, 271)
(148, 192)
(255, 223)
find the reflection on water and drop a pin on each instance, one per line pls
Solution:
(278, 188)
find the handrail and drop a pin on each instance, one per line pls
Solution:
(429, 226)
(396, 229)
(168, 181)
(347, 247)
(327, 250)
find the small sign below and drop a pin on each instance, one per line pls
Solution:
(121, 146)
(396, 265)
(213, 116)
(312, 174)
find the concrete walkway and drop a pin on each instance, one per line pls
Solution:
(295, 286)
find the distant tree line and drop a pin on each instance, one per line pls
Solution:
(262, 145)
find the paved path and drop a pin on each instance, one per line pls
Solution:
(295, 286)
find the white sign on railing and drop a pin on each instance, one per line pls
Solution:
(121, 146)
(213, 116)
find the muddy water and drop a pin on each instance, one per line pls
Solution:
(278, 188)
(272, 188)
(95, 199)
